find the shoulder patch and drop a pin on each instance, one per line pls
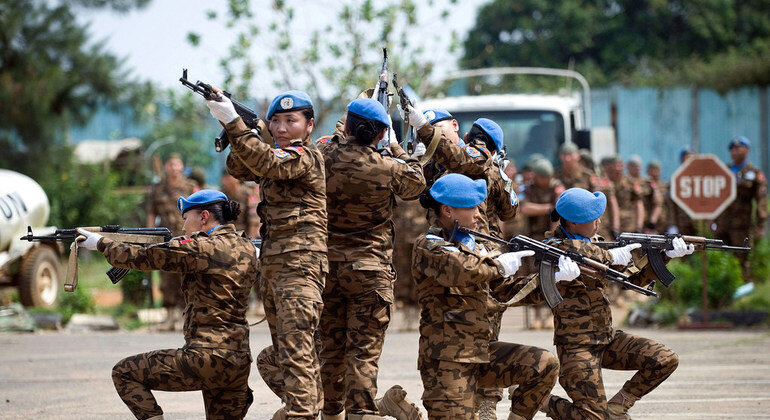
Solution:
(324, 140)
(751, 175)
(299, 149)
(451, 248)
(472, 151)
(281, 154)
(185, 240)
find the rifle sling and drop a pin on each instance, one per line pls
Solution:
(134, 238)
(431, 149)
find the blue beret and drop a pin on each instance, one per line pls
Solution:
(739, 141)
(581, 206)
(369, 109)
(456, 190)
(684, 150)
(492, 129)
(291, 100)
(199, 199)
(435, 115)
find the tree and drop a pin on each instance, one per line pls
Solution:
(618, 39)
(51, 77)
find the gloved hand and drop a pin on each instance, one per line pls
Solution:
(622, 255)
(419, 150)
(511, 261)
(90, 241)
(681, 248)
(415, 116)
(391, 134)
(222, 109)
(568, 270)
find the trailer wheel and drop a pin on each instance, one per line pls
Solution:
(38, 278)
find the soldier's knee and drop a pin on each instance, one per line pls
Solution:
(670, 363)
(550, 368)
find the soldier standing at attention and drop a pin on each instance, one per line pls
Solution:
(219, 269)
(654, 198)
(361, 189)
(293, 255)
(584, 337)
(161, 204)
(737, 221)
(572, 173)
(458, 355)
(628, 192)
(678, 220)
(247, 195)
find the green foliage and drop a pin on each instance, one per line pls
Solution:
(759, 300)
(134, 292)
(723, 278)
(759, 257)
(78, 302)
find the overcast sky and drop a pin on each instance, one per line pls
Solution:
(153, 40)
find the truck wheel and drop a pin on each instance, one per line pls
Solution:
(39, 278)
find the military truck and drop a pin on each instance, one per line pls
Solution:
(32, 267)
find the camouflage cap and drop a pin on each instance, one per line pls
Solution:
(655, 163)
(542, 167)
(635, 160)
(198, 175)
(568, 148)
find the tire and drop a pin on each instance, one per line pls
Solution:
(38, 278)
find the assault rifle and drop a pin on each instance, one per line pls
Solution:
(548, 257)
(130, 235)
(249, 116)
(407, 133)
(382, 86)
(652, 245)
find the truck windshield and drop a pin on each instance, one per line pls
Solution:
(526, 132)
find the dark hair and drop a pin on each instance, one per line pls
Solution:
(363, 129)
(555, 216)
(308, 113)
(223, 211)
(428, 202)
(477, 133)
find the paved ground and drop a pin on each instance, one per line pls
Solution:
(722, 374)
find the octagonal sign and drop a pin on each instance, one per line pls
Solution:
(703, 187)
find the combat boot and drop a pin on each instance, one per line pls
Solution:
(338, 416)
(487, 409)
(395, 404)
(618, 406)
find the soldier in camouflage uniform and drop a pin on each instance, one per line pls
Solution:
(458, 355)
(361, 187)
(678, 220)
(219, 269)
(584, 337)
(293, 254)
(654, 199)
(161, 204)
(737, 221)
(610, 223)
(572, 173)
(247, 195)
(629, 193)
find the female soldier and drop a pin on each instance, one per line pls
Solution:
(454, 278)
(293, 254)
(219, 269)
(361, 186)
(583, 334)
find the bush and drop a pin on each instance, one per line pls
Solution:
(723, 277)
(759, 300)
(759, 258)
(78, 302)
(134, 291)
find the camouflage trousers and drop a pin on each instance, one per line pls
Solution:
(171, 289)
(355, 316)
(736, 236)
(492, 393)
(450, 387)
(291, 289)
(581, 373)
(222, 375)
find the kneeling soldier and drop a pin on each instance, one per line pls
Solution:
(454, 277)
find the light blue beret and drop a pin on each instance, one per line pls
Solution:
(492, 129)
(435, 115)
(581, 206)
(684, 150)
(739, 141)
(369, 109)
(199, 199)
(291, 100)
(456, 190)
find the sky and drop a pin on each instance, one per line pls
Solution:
(153, 40)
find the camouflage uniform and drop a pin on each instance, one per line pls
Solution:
(654, 197)
(737, 221)
(293, 257)
(161, 201)
(247, 195)
(605, 186)
(219, 270)
(410, 221)
(584, 179)
(586, 342)
(538, 225)
(679, 218)
(361, 190)
(458, 355)
(628, 193)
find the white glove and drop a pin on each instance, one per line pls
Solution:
(511, 261)
(568, 270)
(391, 134)
(680, 248)
(222, 109)
(416, 117)
(419, 150)
(622, 255)
(90, 241)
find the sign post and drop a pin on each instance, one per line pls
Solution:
(703, 187)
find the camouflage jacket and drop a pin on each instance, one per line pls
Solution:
(475, 161)
(219, 271)
(584, 317)
(361, 190)
(453, 286)
(161, 201)
(654, 197)
(538, 225)
(752, 186)
(583, 179)
(628, 192)
(292, 189)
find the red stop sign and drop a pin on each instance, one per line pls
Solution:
(703, 187)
